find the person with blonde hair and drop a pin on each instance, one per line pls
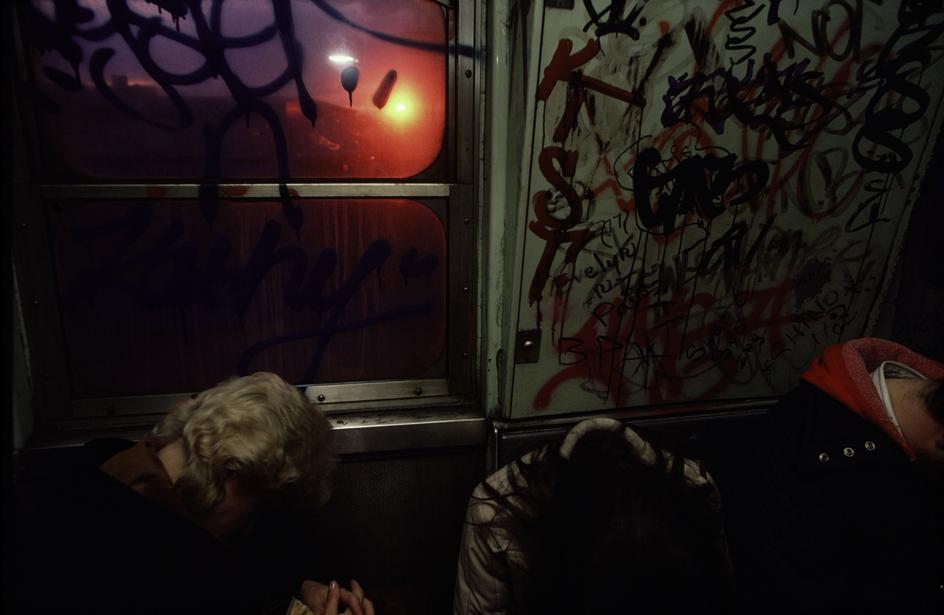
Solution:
(156, 526)
(245, 439)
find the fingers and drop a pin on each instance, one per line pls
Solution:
(352, 600)
(352, 603)
(334, 594)
(357, 589)
(355, 600)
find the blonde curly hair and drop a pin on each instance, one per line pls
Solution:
(260, 431)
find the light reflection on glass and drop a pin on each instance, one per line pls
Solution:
(341, 59)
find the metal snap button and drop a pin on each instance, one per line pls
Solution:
(869, 445)
(848, 451)
(823, 457)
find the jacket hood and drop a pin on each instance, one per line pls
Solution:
(843, 371)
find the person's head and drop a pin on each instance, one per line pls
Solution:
(619, 531)
(244, 441)
(934, 398)
(920, 413)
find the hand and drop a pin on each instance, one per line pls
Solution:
(325, 599)
(334, 596)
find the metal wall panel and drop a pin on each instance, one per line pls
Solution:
(713, 192)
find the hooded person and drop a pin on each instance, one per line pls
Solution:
(853, 506)
(599, 522)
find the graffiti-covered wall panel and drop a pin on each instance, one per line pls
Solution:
(716, 191)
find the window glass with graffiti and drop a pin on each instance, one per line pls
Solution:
(260, 89)
(229, 186)
(155, 300)
(717, 190)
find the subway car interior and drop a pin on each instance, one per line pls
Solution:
(540, 212)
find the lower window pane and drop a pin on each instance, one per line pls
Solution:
(162, 297)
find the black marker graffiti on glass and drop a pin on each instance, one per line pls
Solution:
(166, 271)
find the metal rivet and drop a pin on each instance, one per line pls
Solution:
(528, 344)
(823, 457)
(848, 452)
(320, 397)
(465, 289)
(465, 355)
(869, 445)
(467, 220)
(417, 391)
(468, 72)
(35, 302)
(24, 225)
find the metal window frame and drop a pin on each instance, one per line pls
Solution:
(36, 269)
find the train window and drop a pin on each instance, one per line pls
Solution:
(249, 89)
(218, 188)
(357, 294)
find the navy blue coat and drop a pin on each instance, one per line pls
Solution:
(852, 525)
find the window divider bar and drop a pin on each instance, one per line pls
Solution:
(248, 190)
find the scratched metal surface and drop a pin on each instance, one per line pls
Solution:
(715, 191)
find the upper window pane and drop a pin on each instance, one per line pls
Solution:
(244, 89)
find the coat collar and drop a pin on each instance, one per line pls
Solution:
(843, 372)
